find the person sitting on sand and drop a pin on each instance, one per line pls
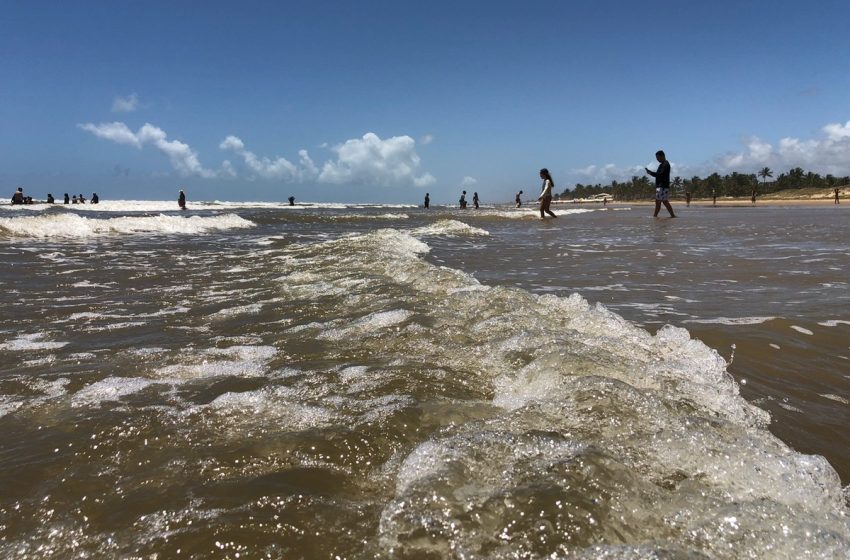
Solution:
(545, 197)
(50, 199)
(181, 200)
(518, 200)
(18, 197)
(662, 183)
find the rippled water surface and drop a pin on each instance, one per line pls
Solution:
(258, 381)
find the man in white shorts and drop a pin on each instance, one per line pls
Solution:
(662, 183)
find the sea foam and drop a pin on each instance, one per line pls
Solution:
(73, 226)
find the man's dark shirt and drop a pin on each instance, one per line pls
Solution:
(662, 175)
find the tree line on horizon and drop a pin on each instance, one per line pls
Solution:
(731, 185)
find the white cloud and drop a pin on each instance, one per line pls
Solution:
(125, 104)
(279, 168)
(827, 154)
(426, 139)
(371, 160)
(117, 132)
(468, 182)
(366, 160)
(184, 160)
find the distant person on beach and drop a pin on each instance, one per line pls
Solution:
(545, 197)
(714, 197)
(18, 196)
(753, 197)
(82, 199)
(291, 200)
(462, 200)
(74, 199)
(688, 198)
(181, 200)
(94, 198)
(67, 199)
(50, 199)
(475, 200)
(662, 183)
(836, 196)
(427, 200)
(518, 199)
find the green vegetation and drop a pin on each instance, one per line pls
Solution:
(733, 185)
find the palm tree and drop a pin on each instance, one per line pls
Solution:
(764, 174)
(677, 183)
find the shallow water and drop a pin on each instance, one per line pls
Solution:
(386, 382)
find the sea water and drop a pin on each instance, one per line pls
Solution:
(250, 380)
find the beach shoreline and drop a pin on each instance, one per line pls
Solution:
(727, 203)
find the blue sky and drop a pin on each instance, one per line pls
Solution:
(383, 101)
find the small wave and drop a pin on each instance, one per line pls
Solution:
(73, 226)
(732, 320)
(833, 323)
(450, 227)
(34, 341)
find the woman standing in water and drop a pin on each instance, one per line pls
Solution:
(545, 197)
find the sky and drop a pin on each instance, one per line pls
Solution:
(383, 101)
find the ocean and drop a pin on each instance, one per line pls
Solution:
(254, 380)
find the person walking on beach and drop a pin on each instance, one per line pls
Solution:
(462, 200)
(836, 196)
(662, 183)
(714, 197)
(545, 197)
(475, 200)
(688, 199)
(753, 197)
(181, 200)
(518, 199)
(427, 200)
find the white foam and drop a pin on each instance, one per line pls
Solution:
(236, 361)
(368, 324)
(836, 398)
(73, 226)
(32, 341)
(450, 227)
(833, 323)
(109, 389)
(732, 320)
(87, 284)
(251, 309)
(802, 330)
